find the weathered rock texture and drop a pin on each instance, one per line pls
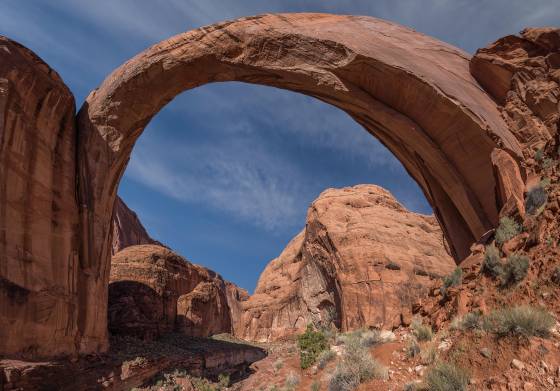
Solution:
(362, 259)
(153, 291)
(39, 266)
(523, 74)
(127, 228)
(414, 93)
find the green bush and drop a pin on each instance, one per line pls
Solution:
(324, 357)
(535, 199)
(521, 320)
(507, 229)
(421, 331)
(492, 264)
(514, 270)
(447, 377)
(315, 386)
(454, 279)
(310, 344)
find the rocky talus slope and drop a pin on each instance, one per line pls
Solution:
(362, 260)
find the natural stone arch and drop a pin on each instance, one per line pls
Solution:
(413, 92)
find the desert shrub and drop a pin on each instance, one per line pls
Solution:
(324, 357)
(343, 380)
(410, 387)
(310, 344)
(201, 384)
(535, 199)
(422, 332)
(453, 279)
(521, 320)
(412, 348)
(315, 386)
(356, 367)
(429, 354)
(507, 229)
(471, 321)
(371, 337)
(492, 264)
(555, 277)
(447, 377)
(514, 270)
(277, 365)
(223, 380)
(539, 154)
(292, 380)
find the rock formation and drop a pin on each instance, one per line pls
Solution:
(362, 261)
(38, 211)
(127, 228)
(153, 291)
(58, 190)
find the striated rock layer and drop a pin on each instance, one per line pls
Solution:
(362, 261)
(153, 291)
(127, 228)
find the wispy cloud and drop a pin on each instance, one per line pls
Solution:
(238, 177)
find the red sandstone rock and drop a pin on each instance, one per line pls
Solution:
(520, 72)
(509, 184)
(54, 272)
(38, 211)
(362, 258)
(127, 228)
(154, 291)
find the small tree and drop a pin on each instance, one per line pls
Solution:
(311, 343)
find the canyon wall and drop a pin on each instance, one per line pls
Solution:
(127, 228)
(361, 261)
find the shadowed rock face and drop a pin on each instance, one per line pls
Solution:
(362, 260)
(38, 210)
(153, 291)
(127, 228)
(414, 93)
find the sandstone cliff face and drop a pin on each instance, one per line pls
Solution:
(127, 228)
(39, 264)
(362, 260)
(153, 291)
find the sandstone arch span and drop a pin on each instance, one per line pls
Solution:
(411, 91)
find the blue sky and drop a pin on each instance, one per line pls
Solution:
(224, 174)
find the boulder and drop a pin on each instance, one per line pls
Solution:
(361, 261)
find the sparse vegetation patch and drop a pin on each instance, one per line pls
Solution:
(507, 229)
(522, 320)
(447, 377)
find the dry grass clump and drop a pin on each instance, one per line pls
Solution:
(447, 377)
(422, 332)
(507, 229)
(522, 320)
